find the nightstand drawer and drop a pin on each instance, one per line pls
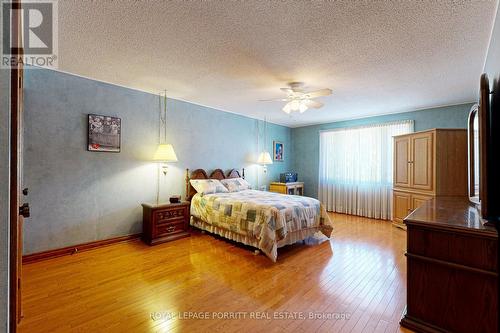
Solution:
(170, 214)
(172, 220)
(170, 228)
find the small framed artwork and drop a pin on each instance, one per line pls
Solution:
(278, 151)
(104, 133)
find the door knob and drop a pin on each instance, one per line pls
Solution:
(24, 210)
(25, 191)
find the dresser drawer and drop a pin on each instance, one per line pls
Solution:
(170, 228)
(459, 248)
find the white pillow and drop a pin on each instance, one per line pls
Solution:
(236, 184)
(208, 186)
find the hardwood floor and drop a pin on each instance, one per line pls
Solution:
(359, 276)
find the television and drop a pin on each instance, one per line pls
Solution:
(484, 157)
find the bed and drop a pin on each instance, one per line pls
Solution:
(264, 220)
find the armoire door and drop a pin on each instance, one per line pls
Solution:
(402, 206)
(421, 161)
(401, 162)
(418, 200)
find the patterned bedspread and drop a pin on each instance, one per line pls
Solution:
(265, 216)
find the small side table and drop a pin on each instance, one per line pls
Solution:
(164, 222)
(295, 188)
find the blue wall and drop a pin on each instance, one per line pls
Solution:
(79, 196)
(305, 140)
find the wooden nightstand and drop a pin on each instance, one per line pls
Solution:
(295, 188)
(164, 222)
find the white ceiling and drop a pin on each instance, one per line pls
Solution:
(379, 57)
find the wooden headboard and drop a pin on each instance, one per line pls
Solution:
(201, 174)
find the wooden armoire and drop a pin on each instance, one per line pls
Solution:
(428, 164)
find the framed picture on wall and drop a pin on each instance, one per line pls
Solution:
(278, 151)
(104, 133)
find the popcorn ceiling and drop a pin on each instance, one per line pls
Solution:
(379, 57)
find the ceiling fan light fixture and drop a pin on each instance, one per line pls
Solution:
(287, 108)
(303, 106)
(300, 100)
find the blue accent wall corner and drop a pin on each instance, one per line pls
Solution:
(305, 140)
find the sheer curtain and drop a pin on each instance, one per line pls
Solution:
(355, 169)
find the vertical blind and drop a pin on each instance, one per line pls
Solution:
(355, 168)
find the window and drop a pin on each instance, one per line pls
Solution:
(355, 168)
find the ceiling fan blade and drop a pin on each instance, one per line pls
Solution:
(318, 93)
(313, 104)
(274, 100)
(287, 90)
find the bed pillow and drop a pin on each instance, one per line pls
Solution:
(208, 186)
(236, 184)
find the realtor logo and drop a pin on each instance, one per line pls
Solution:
(38, 31)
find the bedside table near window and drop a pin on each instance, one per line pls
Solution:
(164, 222)
(295, 188)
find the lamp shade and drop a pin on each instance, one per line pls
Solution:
(165, 153)
(264, 158)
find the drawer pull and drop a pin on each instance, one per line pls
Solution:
(171, 229)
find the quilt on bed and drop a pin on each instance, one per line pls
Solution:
(265, 216)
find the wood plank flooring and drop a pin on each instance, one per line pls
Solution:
(354, 283)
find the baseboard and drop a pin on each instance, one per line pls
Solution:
(399, 225)
(35, 257)
(419, 326)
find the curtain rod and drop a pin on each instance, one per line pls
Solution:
(411, 121)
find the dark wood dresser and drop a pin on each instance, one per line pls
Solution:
(452, 276)
(165, 222)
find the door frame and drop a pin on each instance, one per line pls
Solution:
(15, 174)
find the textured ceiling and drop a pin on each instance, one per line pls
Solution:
(379, 57)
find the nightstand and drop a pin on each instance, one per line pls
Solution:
(295, 188)
(164, 222)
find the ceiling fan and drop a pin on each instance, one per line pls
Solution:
(300, 100)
